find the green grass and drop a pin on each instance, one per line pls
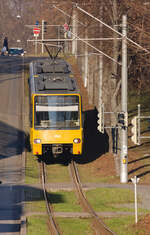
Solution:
(32, 171)
(37, 225)
(35, 206)
(87, 174)
(73, 226)
(57, 173)
(63, 201)
(123, 226)
(108, 199)
(113, 199)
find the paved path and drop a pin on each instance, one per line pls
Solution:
(11, 148)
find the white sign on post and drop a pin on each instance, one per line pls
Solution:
(36, 32)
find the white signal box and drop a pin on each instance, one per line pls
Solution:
(100, 122)
(134, 130)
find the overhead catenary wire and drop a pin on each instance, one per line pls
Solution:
(70, 39)
(75, 36)
(130, 40)
(96, 49)
(68, 15)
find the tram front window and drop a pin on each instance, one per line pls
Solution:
(57, 112)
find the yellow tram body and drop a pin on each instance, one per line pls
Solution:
(55, 110)
(56, 137)
(53, 137)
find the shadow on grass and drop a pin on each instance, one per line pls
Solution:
(36, 194)
(95, 143)
(138, 168)
(135, 170)
(140, 175)
(139, 159)
(137, 147)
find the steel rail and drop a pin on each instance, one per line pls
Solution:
(52, 224)
(100, 226)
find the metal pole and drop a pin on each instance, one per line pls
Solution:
(42, 36)
(86, 63)
(124, 131)
(135, 180)
(58, 43)
(100, 65)
(35, 45)
(135, 198)
(74, 30)
(139, 127)
(100, 80)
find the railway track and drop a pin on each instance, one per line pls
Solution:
(100, 227)
(53, 227)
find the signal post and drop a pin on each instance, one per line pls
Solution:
(124, 131)
(36, 31)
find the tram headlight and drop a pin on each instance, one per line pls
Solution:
(37, 141)
(76, 140)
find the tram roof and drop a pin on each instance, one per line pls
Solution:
(52, 76)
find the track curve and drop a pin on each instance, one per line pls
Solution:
(100, 227)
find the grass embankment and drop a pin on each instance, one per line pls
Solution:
(102, 199)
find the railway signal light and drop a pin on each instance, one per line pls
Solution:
(45, 26)
(126, 119)
(134, 130)
(149, 124)
(123, 119)
(100, 122)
